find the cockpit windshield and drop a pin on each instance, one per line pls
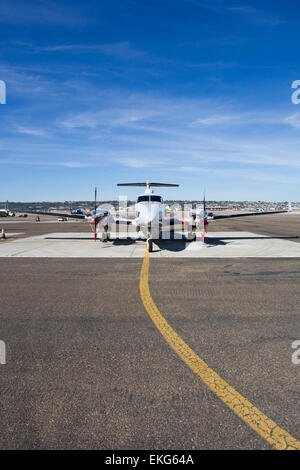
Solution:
(151, 198)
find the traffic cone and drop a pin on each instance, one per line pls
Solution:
(3, 235)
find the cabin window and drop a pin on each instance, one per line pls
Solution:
(152, 198)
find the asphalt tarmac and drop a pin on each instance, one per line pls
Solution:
(87, 368)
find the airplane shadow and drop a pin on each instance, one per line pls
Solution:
(70, 238)
(172, 244)
(116, 241)
(123, 241)
(163, 244)
(216, 241)
(169, 244)
(229, 240)
(256, 238)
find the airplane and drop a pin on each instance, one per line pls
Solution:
(150, 213)
(97, 217)
(6, 212)
(150, 216)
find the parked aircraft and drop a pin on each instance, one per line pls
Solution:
(150, 216)
(6, 212)
(97, 217)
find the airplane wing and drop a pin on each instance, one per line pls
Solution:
(56, 214)
(247, 214)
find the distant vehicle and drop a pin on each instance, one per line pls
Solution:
(79, 212)
(62, 219)
(23, 215)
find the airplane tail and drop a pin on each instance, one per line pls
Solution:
(6, 206)
(290, 209)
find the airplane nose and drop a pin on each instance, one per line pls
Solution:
(152, 217)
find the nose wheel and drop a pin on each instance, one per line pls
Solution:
(150, 245)
(191, 236)
(105, 237)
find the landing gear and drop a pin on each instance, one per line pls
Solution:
(191, 236)
(150, 245)
(105, 236)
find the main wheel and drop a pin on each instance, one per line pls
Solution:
(191, 236)
(150, 245)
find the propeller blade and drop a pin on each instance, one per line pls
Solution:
(204, 219)
(95, 198)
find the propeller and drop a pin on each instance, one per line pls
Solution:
(95, 223)
(97, 216)
(204, 219)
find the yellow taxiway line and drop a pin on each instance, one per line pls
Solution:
(264, 426)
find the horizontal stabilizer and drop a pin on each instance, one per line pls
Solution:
(148, 184)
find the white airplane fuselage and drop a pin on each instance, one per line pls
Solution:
(149, 213)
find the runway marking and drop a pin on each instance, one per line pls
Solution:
(264, 426)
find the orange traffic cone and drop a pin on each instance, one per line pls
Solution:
(3, 235)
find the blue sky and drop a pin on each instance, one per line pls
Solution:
(195, 92)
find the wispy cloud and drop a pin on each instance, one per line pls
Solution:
(142, 162)
(33, 132)
(255, 14)
(216, 120)
(293, 120)
(46, 163)
(219, 64)
(123, 50)
(37, 12)
(111, 117)
(244, 174)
